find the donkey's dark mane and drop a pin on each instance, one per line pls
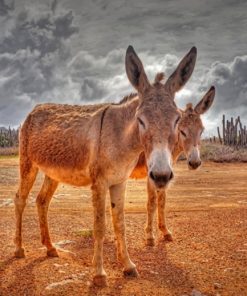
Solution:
(126, 99)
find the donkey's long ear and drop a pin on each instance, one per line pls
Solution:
(135, 71)
(183, 72)
(205, 102)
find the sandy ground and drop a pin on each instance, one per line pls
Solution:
(207, 213)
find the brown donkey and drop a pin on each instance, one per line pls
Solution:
(72, 145)
(190, 128)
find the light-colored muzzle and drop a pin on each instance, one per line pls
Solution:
(159, 167)
(194, 160)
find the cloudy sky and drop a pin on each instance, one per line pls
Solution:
(72, 51)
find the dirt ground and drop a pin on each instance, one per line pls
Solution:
(207, 213)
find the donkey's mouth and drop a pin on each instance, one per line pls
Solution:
(194, 165)
(161, 180)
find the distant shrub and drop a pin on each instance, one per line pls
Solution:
(220, 153)
(9, 151)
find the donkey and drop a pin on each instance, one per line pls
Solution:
(101, 149)
(190, 128)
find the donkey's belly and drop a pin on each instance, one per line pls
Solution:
(140, 170)
(63, 175)
(139, 173)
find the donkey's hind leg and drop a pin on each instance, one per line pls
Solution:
(117, 194)
(43, 200)
(28, 175)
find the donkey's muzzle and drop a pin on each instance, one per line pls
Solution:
(161, 180)
(193, 165)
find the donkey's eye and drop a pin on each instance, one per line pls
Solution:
(176, 122)
(183, 133)
(141, 122)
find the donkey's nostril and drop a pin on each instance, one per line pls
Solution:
(160, 179)
(171, 176)
(195, 165)
(152, 176)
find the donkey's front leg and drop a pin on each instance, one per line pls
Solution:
(99, 195)
(162, 216)
(151, 207)
(117, 193)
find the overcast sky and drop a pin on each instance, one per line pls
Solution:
(72, 51)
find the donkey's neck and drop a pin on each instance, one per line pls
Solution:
(178, 149)
(120, 134)
(126, 126)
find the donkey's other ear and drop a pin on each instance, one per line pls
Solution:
(183, 72)
(205, 102)
(135, 71)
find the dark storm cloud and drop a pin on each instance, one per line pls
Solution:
(163, 26)
(32, 52)
(98, 76)
(44, 33)
(54, 5)
(6, 7)
(92, 90)
(230, 80)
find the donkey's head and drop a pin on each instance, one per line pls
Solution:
(157, 115)
(190, 128)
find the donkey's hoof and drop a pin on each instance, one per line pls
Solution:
(131, 272)
(52, 252)
(100, 280)
(20, 253)
(150, 242)
(168, 237)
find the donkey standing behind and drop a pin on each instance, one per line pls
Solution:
(189, 128)
(100, 148)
